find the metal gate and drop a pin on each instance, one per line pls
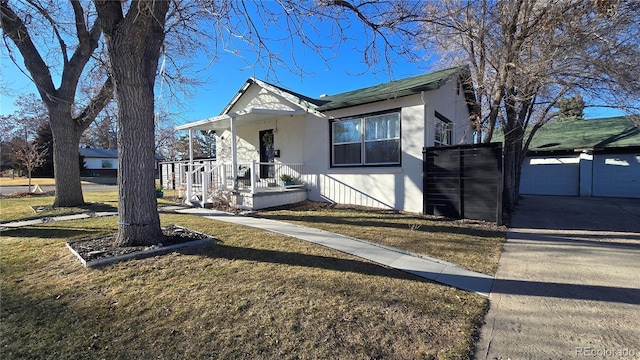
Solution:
(464, 181)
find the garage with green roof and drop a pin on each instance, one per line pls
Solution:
(596, 157)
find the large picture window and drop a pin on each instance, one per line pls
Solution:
(369, 140)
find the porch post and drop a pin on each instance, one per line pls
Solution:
(190, 167)
(234, 154)
(222, 170)
(254, 186)
(205, 182)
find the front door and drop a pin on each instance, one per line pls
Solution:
(266, 154)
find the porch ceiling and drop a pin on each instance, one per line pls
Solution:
(243, 117)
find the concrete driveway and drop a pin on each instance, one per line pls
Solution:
(568, 282)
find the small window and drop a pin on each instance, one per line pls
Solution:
(107, 164)
(442, 134)
(369, 140)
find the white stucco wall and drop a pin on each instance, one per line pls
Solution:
(398, 187)
(287, 137)
(450, 102)
(306, 139)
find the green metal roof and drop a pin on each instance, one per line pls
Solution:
(390, 90)
(586, 134)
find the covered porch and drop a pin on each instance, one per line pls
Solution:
(258, 180)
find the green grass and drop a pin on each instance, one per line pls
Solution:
(252, 294)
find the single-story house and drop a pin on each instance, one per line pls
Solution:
(103, 162)
(362, 147)
(596, 157)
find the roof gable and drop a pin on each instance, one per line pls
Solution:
(294, 98)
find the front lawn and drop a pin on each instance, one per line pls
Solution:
(252, 294)
(475, 245)
(22, 208)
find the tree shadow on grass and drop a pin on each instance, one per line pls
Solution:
(221, 251)
(50, 233)
(408, 223)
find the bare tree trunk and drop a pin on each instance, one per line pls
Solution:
(139, 222)
(513, 157)
(65, 128)
(66, 167)
(134, 43)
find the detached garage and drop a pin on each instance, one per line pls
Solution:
(597, 157)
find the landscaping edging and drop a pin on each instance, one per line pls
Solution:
(134, 255)
(140, 254)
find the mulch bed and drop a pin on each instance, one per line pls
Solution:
(96, 249)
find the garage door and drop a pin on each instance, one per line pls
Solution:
(616, 175)
(557, 175)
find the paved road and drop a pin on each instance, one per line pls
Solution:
(568, 282)
(5, 190)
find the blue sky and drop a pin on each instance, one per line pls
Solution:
(224, 77)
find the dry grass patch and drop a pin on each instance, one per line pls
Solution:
(472, 244)
(22, 180)
(254, 294)
(21, 208)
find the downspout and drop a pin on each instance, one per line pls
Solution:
(424, 145)
(424, 121)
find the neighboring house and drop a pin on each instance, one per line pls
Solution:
(363, 147)
(597, 157)
(103, 162)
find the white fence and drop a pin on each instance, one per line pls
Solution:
(202, 178)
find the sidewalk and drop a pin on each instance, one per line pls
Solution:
(432, 269)
(42, 220)
(568, 283)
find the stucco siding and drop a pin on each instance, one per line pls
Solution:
(288, 138)
(450, 102)
(306, 139)
(396, 187)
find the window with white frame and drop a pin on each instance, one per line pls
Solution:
(442, 134)
(372, 140)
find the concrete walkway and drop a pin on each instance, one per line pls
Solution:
(432, 269)
(46, 219)
(568, 282)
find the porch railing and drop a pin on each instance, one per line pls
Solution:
(201, 180)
